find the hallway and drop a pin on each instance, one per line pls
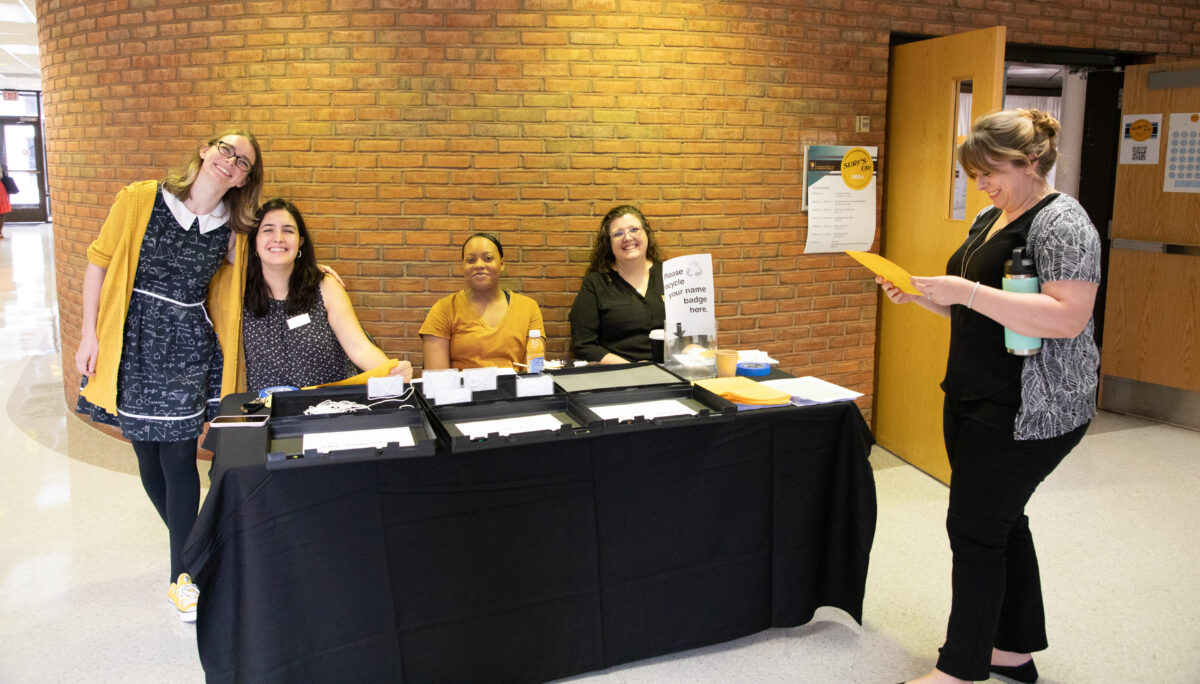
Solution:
(83, 557)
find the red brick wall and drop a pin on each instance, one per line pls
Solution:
(399, 127)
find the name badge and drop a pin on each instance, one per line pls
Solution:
(297, 321)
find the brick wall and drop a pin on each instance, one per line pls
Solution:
(401, 126)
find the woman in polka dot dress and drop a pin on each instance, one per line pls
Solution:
(299, 327)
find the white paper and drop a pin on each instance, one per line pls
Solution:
(690, 296)
(479, 379)
(810, 390)
(646, 409)
(1182, 172)
(324, 442)
(1141, 136)
(478, 429)
(840, 216)
(755, 356)
(297, 321)
(537, 385)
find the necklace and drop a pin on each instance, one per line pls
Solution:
(975, 244)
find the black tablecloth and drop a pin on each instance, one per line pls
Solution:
(533, 562)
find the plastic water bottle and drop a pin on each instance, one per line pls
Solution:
(535, 352)
(1020, 275)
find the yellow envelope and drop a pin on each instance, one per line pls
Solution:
(886, 270)
(743, 390)
(361, 379)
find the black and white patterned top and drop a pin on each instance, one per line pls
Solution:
(1058, 385)
(1047, 394)
(307, 354)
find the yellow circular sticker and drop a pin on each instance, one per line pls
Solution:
(857, 169)
(1140, 130)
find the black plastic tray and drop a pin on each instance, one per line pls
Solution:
(709, 407)
(446, 416)
(288, 426)
(621, 376)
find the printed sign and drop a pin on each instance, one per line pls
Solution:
(690, 298)
(839, 195)
(1182, 165)
(1140, 138)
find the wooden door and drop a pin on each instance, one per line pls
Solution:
(920, 231)
(1151, 359)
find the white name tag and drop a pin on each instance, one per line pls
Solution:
(297, 321)
(534, 385)
(453, 395)
(435, 382)
(479, 379)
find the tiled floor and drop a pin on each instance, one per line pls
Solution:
(83, 556)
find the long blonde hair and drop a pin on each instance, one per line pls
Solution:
(241, 202)
(1010, 135)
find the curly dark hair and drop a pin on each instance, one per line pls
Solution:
(603, 259)
(304, 286)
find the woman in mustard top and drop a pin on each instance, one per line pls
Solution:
(150, 349)
(480, 325)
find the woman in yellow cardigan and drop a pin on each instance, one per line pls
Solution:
(151, 350)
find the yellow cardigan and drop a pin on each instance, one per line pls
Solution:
(117, 250)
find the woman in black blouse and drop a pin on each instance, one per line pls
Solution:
(299, 327)
(621, 299)
(1009, 420)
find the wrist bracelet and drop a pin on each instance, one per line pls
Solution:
(971, 299)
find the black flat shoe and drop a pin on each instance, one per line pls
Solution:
(1026, 673)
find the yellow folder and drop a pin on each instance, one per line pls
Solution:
(361, 379)
(886, 270)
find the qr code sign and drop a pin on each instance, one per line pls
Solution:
(1139, 153)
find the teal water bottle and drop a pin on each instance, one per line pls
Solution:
(1020, 275)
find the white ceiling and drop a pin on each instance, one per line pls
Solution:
(20, 68)
(1024, 75)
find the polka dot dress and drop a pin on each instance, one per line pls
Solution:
(304, 355)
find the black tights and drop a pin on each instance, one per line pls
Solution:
(168, 471)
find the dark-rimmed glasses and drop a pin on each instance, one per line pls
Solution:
(227, 151)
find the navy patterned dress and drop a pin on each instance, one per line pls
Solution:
(170, 376)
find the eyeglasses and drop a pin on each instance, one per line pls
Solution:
(631, 231)
(227, 151)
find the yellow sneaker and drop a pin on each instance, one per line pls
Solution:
(183, 594)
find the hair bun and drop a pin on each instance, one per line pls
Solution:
(1042, 121)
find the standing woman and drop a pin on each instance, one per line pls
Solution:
(299, 326)
(150, 350)
(621, 299)
(1009, 420)
(481, 325)
(5, 205)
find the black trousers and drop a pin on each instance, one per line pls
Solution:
(997, 591)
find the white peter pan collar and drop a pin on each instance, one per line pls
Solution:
(208, 222)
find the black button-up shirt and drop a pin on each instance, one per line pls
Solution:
(610, 316)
